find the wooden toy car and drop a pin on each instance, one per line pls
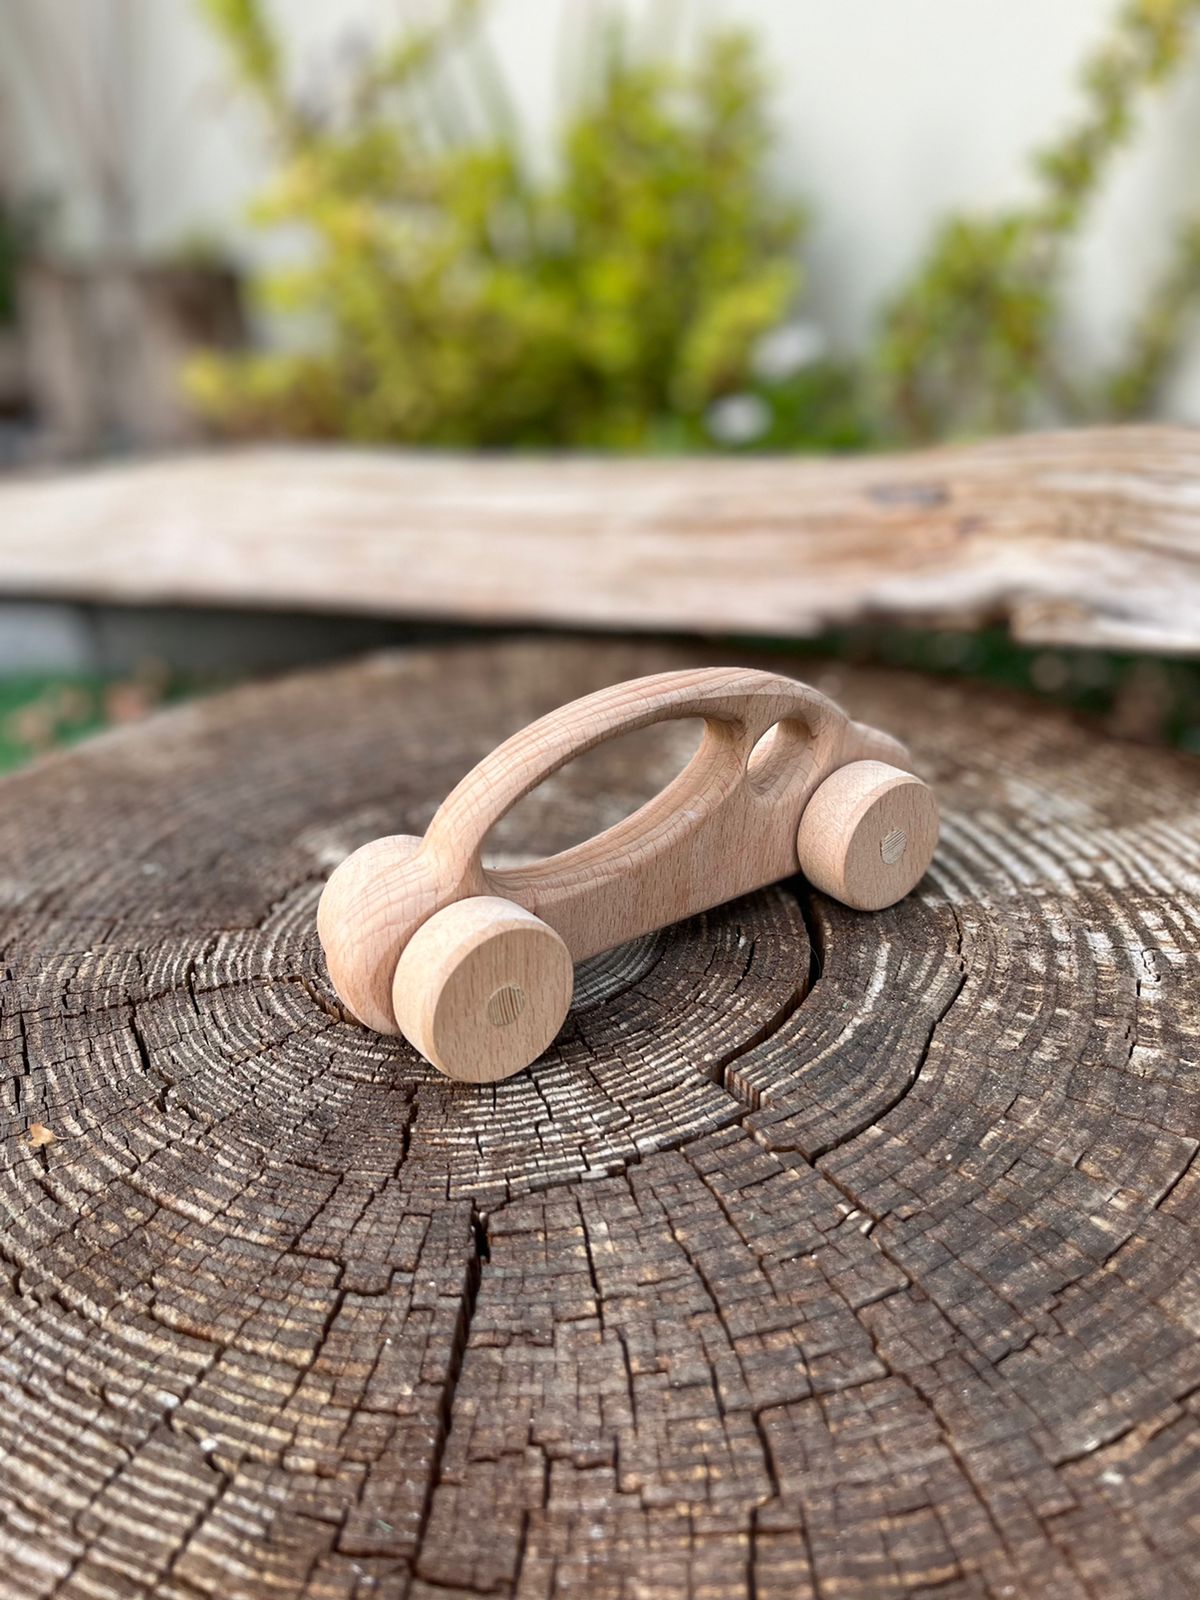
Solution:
(475, 966)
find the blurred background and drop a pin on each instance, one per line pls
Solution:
(664, 227)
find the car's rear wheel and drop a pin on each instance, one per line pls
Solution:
(868, 834)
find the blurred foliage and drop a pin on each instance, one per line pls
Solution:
(21, 226)
(1160, 330)
(971, 344)
(9, 256)
(40, 712)
(455, 297)
(638, 290)
(1146, 700)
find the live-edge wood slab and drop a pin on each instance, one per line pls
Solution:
(1090, 536)
(826, 1255)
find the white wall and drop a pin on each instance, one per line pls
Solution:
(891, 111)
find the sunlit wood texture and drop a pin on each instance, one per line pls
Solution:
(1089, 538)
(869, 1269)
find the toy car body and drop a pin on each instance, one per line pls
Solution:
(415, 930)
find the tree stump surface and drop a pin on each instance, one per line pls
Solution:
(824, 1256)
(1084, 537)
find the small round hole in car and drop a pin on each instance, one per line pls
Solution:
(775, 755)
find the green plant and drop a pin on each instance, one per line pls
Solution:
(453, 297)
(970, 344)
(1160, 330)
(635, 297)
(45, 711)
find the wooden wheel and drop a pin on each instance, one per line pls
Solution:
(868, 834)
(825, 1255)
(482, 988)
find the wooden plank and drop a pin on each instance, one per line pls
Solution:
(1088, 538)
